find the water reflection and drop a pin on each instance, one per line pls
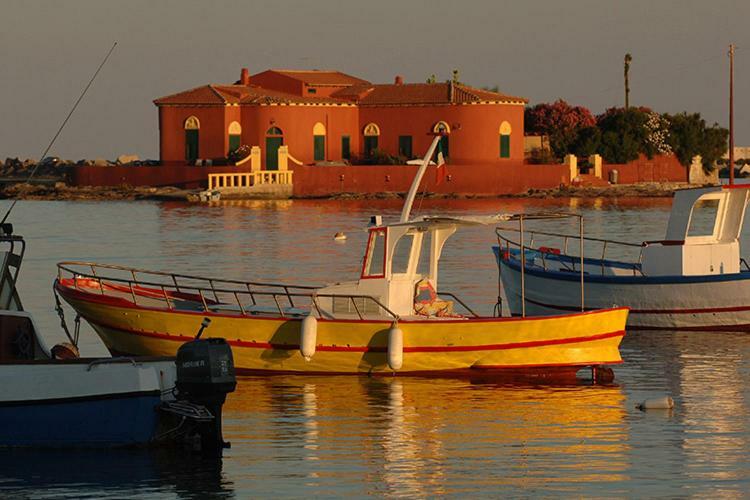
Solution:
(110, 474)
(426, 437)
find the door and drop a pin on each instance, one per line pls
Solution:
(272, 152)
(191, 145)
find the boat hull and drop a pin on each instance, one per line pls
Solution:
(112, 421)
(82, 403)
(703, 303)
(350, 346)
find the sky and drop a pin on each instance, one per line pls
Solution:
(542, 50)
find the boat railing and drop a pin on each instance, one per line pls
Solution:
(545, 251)
(461, 302)
(210, 293)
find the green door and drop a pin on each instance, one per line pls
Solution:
(504, 146)
(234, 142)
(404, 146)
(319, 147)
(272, 152)
(191, 145)
(371, 144)
(346, 151)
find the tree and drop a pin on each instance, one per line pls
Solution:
(624, 134)
(690, 136)
(560, 121)
(431, 78)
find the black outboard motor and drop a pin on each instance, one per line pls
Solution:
(205, 375)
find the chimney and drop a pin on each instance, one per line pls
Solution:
(399, 80)
(244, 77)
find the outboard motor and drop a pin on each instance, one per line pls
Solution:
(205, 375)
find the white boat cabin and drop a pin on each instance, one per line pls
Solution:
(400, 270)
(703, 234)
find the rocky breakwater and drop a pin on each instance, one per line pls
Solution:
(48, 180)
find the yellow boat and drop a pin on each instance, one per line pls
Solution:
(390, 320)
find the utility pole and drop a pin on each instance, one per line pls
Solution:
(628, 58)
(731, 114)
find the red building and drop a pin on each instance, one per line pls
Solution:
(328, 116)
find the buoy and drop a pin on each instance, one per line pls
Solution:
(395, 348)
(663, 403)
(339, 236)
(308, 337)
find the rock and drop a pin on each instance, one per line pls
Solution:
(101, 162)
(125, 159)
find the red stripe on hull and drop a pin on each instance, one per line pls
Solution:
(383, 349)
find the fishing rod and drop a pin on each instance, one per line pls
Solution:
(33, 171)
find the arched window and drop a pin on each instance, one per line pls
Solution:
(192, 126)
(235, 136)
(274, 140)
(443, 145)
(371, 132)
(319, 142)
(505, 131)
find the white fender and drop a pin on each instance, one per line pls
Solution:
(308, 337)
(662, 403)
(395, 348)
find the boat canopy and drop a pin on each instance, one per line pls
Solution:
(702, 235)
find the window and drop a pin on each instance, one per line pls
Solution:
(192, 127)
(401, 254)
(404, 146)
(505, 131)
(703, 218)
(235, 135)
(346, 147)
(371, 133)
(319, 142)
(374, 265)
(312, 91)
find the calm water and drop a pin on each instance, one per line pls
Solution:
(300, 436)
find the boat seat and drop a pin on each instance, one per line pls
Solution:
(427, 303)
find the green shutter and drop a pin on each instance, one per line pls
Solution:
(234, 142)
(504, 146)
(404, 146)
(346, 147)
(191, 145)
(371, 144)
(319, 147)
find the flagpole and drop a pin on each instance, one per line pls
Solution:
(406, 211)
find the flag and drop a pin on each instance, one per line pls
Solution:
(440, 170)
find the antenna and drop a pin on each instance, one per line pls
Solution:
(731, 114)
(62, 126)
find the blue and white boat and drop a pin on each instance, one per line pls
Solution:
(693, 279)
(52, 398)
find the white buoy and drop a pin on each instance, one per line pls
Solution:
(308, 337)
(662, 403)
(340, 236)
(395, 348)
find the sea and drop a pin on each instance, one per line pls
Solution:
(354, 436)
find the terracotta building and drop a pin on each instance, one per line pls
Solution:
(328, 116)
